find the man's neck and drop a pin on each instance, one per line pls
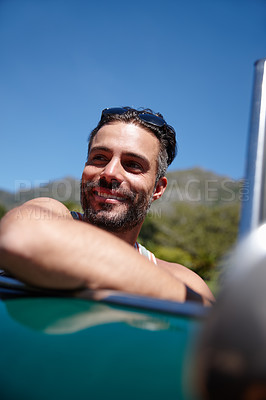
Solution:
(129, 237)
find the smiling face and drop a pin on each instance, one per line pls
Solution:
(118, 181)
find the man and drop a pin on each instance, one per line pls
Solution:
(41, 243)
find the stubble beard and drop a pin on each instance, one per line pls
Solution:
(136, 207)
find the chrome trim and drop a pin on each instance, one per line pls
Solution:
(253, 212)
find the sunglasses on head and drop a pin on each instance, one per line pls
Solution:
(151, 119)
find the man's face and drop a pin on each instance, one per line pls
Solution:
(119, 177)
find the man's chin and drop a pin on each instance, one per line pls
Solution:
(111, 221)
(113, 226)
(117, 217)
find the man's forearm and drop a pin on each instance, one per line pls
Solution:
(63, 254)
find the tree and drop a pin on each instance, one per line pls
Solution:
(3, 210)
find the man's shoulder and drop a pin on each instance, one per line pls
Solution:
(187, 276)
(180, 271)
(172, 266)
(46, 207)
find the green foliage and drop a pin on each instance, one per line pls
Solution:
(149, 231)
(3, 210)
(197, 236)
(72, 206)
(173, 254)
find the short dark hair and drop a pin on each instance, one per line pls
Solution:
(165, 134)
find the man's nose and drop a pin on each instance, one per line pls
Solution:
(113, 171)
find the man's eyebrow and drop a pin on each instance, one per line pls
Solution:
(100, 148)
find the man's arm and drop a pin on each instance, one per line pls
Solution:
(42, 245)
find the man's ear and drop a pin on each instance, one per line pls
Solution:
(160, 188)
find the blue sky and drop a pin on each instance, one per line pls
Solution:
(63, 61)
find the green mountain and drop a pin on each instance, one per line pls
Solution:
(65, 190)
(194, 186)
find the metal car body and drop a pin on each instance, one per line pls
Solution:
(65, 346)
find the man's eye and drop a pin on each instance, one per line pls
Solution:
(134, 166)
(97, 159)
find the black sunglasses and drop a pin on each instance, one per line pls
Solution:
(143, 115)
